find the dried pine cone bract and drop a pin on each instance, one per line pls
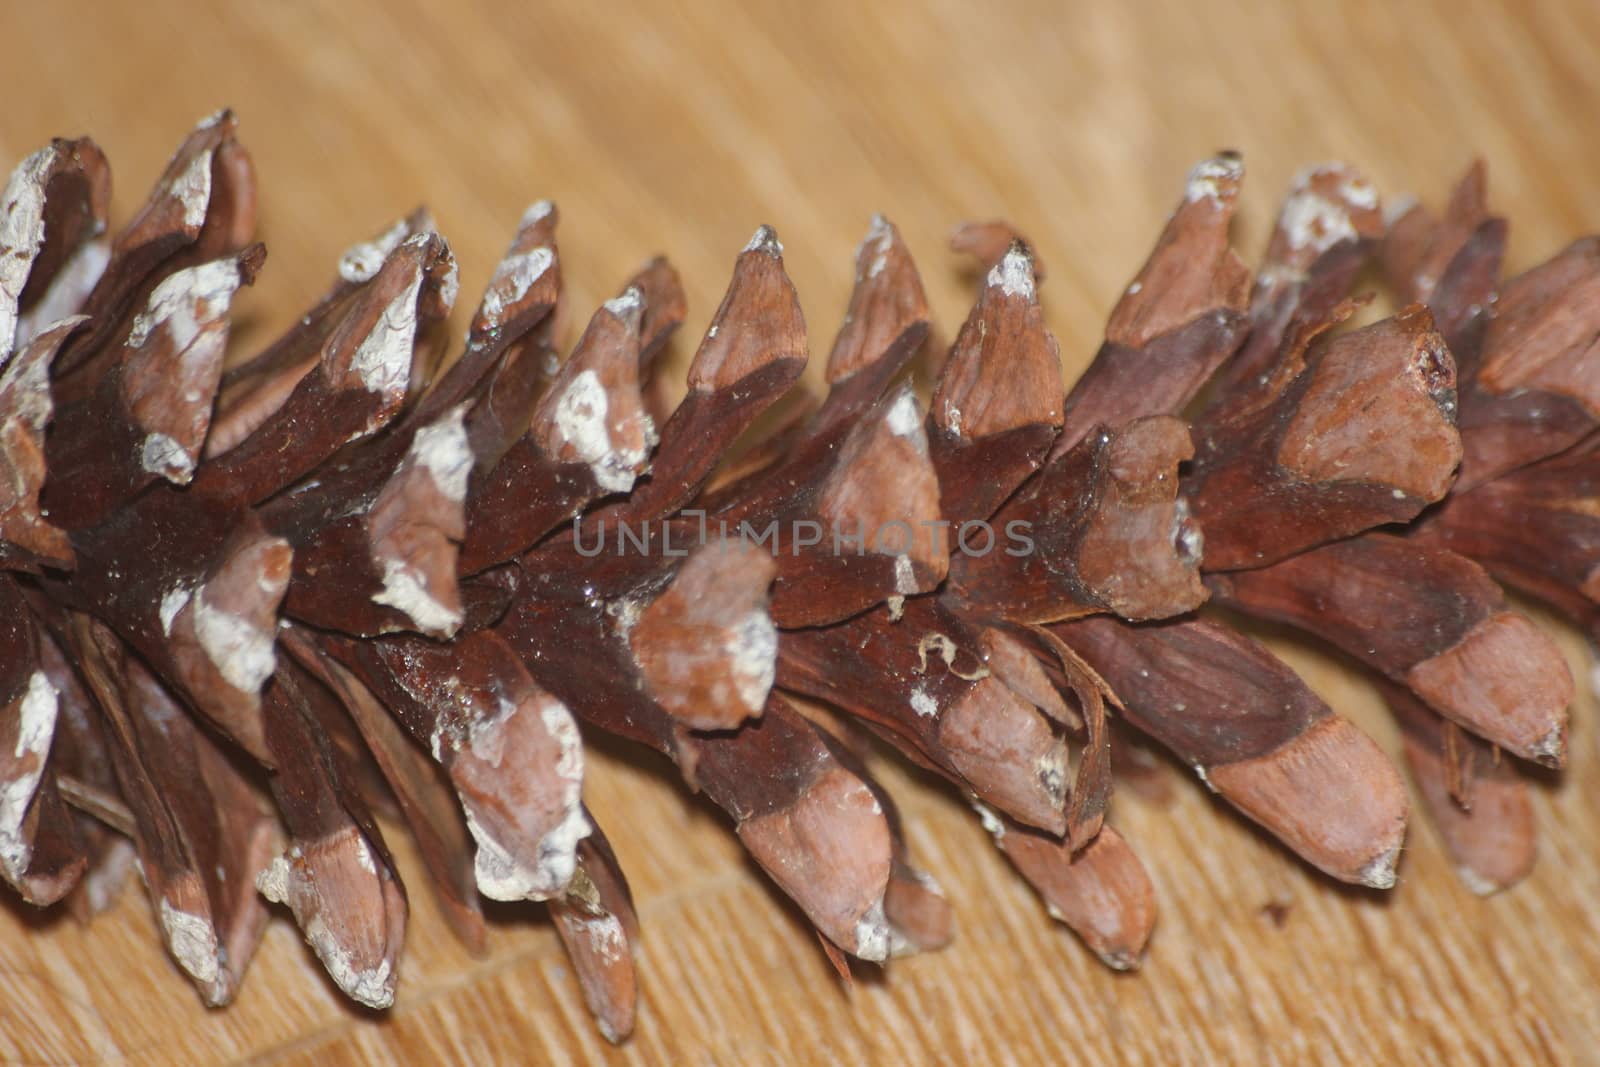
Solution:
(254, 604)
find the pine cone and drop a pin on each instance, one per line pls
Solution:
(252, 607)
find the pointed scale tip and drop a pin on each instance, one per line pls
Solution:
(872, 254)
(988, 243)
(627, 306)
(537, 212)
(1380, 873)
(1013, 275)
(594, 412)
(765, 240)
(1215, 179)
(1328, 205)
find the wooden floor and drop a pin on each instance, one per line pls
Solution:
(679, 128)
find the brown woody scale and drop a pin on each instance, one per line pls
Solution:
(252, 606)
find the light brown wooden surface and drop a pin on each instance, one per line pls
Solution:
(679, 128)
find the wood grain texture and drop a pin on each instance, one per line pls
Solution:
(679, 127)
